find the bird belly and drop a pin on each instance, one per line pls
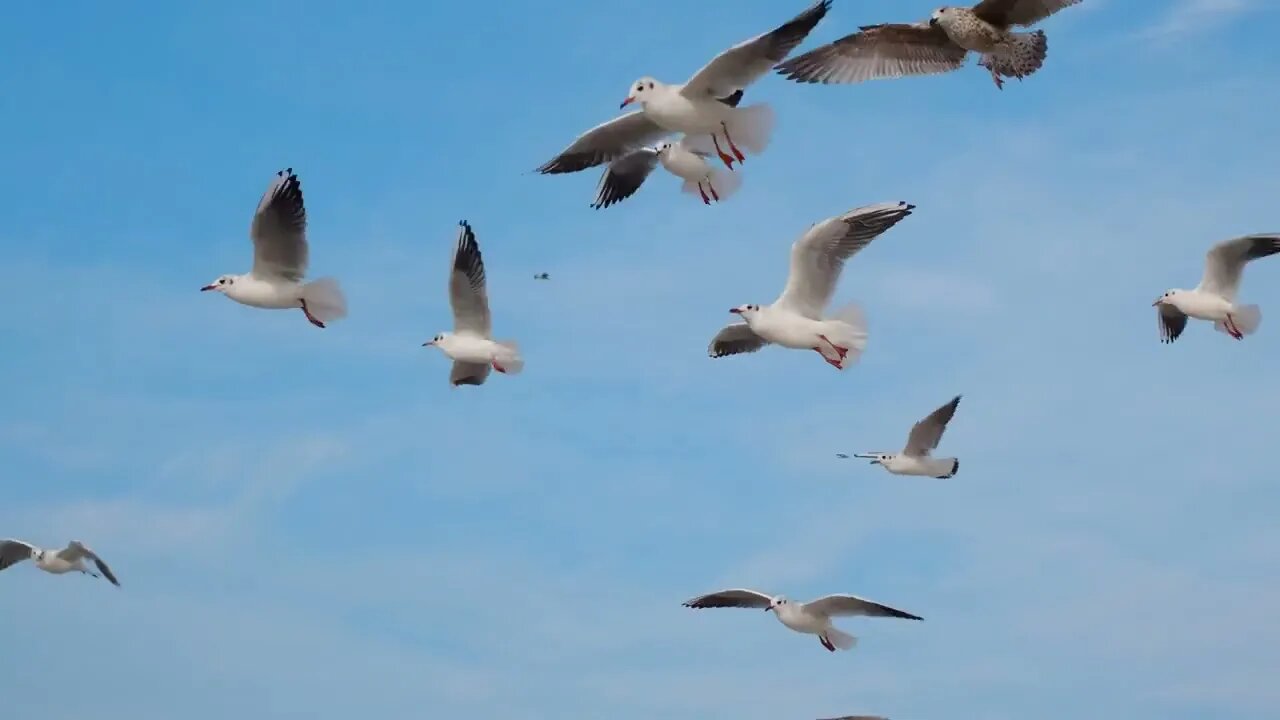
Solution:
(794, 332)
(925, 467)
(977, 36)
(55, 565)
(687, 166)
(803, 623)
(470, 349)
(1205, 307)
(677, 113)
(256, 293)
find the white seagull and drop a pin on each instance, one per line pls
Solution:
(705, 105)
(924, 437)
(795, 319)
(625, 175)
(471, 345)
(812, 618)
(69, 559)
(279, 234)
(1214, 299)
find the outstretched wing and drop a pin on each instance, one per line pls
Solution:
(877, 51)
(735, 339)
(737, 598)
(1225, 262)
(76, 550)
(744, 63)
(1172, 322)
(279, 230)
(606, 142)
(624, 177)
(819, 255)
(467, 293)
(468, 373)
(1003, 13)
(835, 605)
(13, 552)
(926, 434)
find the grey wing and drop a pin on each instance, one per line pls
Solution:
(818, 257)
(926, 434)
(606, 142)
(77, 550)
(877, 51)
(279, 230)
(745, 62)
(467, 293)
(624, 177)
(1172, 323)
(467, 373)
(1224, 264)
(1003, 13)
(835, 605)
(735, 339)
(737, 598)
(13, 552)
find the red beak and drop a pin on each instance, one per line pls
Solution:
(627, 102)
(208, 287)
(768, 608)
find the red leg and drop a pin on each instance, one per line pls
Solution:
(312, 318)
(996, 77)
(826, 643)
(1232, 330)
(839, 350)
(737, 153)
(705, 200)
(712, 188)
(833, 363)
(725, 158)
(498, 367)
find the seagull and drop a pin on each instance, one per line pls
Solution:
(69, 559)
(842, 456)
(625, 175)
(471, 345)
(938, 46)
(795, 319)
(856, 717)
(1214, 299)
(279, 234)
(705, 105)
(812, 618)
(924, 437)
(542, 276)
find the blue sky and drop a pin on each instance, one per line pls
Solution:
(313, 523)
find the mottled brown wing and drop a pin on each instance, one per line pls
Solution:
(877, 51)
(1003, 13)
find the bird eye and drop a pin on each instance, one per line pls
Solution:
(650, 86)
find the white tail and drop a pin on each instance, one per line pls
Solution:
(1020, 57)
(847, 328)
(751, 127)
(842, 640)
(720, 184)
(1246, 318)
(506, 357)
(325, 299)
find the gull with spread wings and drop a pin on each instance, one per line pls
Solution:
(624, 176)
(895, 50)
(1214, 299)
(811, 618)
(279, 233)
(471, 345)
(69, 559)
(795, 319)
(705, 105)
(923, 439)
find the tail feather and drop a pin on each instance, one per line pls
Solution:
(1246, 318)
(847, 328)
(1021, 56)
(841, 640)
(751, 127)
(507, 357)
(325, 299)
(955, 468)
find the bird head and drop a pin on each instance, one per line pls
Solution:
(1168, 298)
(663, 147)
(221, 285)
(747, 312)
(640, 90)
(437, 340)
(776, 603)
(941, 16)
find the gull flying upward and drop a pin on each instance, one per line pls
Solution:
(624, 176)
(69, 559)
(812, 618)
(923, 439)
(471, 345)
(795, 319)
(1214, 299)
(940, 45)
(705, 105)
(279, 233)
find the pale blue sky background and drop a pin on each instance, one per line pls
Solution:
(314, 524)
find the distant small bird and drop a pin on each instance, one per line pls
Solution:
(842, 455)
(280, 260)
(542, 276)
(1214, 299)
(900, 49)
(625, 175)
(856, 717)
(69, 559)
(923, 439)
(795, 319)
(471, 345)
(812, 618)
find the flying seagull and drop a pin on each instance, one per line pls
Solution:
(856, 717)
(923, 439)
(624, 176)
(795, 319)
(705, 105)
(940, 45)
(69, 559)
(471, 345)
(279, 233)
(542, 276)
(1214, 299)
(812, 618)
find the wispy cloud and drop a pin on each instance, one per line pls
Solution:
(1192, 17)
